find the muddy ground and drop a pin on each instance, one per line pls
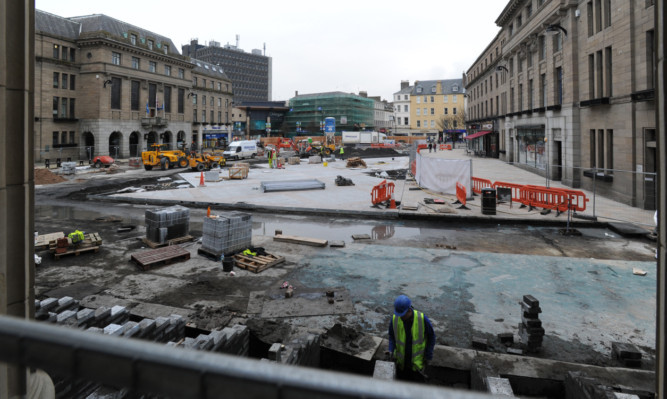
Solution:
(213, 299)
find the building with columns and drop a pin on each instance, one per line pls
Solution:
(566, 90)
(105, 87)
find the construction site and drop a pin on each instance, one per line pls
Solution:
(300, 265)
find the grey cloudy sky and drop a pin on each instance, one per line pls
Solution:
(343, 45)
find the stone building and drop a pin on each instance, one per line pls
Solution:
(437, 106)
(569, 88)
(401, 117)
(105, 87)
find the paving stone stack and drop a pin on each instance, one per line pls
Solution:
(227, 233)
(628, 354)
(530, 328)
(167, 223)
(302, 351)
(68, 168)
(230, 340)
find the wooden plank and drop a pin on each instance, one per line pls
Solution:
(43, 240)
(313, 242)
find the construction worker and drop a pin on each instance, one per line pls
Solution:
(342, 152)
(268, 155)
(411, 341)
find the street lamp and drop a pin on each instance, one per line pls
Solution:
(501, 68)
(555, 29)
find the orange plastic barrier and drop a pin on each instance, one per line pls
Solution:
(445, 147)
(478, 184)
(516, 189)
(461, 195)
(413, 168)
(543, 197)
(421, 147)
(578, 199)
(382, 192)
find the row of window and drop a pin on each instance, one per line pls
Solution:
(599, 15)
(405, 97)
(211, 119)
(601, 148)
(528, 12)
(433, 111)
(214, 84)
(117, 59)
(68, 81)
(445, 124)
(445, 98)
(600, 74)
(64, 53)
(433, 89)
(63, 108)
(60, 138)
(150, 43)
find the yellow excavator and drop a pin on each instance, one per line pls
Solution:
(165, 159)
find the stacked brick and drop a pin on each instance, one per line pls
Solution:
(628, 354)
(230, 340)
(167, 223)
(530, 328)
(227, 233)
(302, 351)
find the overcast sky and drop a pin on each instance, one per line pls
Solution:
(344, 45)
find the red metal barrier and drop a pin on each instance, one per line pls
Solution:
(516, 189)
(421, 147)
(382, 192)
(478, 184)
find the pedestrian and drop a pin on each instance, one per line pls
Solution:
(268, 155)
(342, 152)
(435, 147)
(411, 340)
(430, 146)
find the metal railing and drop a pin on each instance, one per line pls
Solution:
(145, 367)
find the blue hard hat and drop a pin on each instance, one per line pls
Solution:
(401, 305)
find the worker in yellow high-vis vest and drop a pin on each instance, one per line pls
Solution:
(411, 340)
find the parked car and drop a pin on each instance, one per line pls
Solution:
(103, 160)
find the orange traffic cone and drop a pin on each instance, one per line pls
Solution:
(201, 180)
(392, 202)
(208, 212)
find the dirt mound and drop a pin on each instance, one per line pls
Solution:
(45, 176)
(370, 152)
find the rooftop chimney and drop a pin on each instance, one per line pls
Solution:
(405, 84)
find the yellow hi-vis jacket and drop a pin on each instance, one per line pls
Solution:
(418, 332)
(76, 236)
(249, 252)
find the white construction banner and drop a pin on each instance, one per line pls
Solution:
(441, 175)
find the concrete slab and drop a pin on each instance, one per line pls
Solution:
(304, 302)
(627, 229)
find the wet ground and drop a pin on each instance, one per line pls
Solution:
(468, 278)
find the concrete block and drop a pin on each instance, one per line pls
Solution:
(384, 370)
(63, 316)
(131, 329)
(275, 352)
(146, 327)
(506, 338)
(531, 301)
(480, 343)
(514, 351)
(113, 329)
(622, 350)
(499, 386)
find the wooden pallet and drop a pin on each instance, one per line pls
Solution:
(257, 263)
(75, 251)
(161, 256)
(43, 241)
(89, 240)
(173, 241)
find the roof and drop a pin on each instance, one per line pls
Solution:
(407, 90)
(447, 86)
(55, 25)
(101, 22)
(206, 68)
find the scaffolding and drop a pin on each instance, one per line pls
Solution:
(351, 112)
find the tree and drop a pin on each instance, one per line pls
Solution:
(452, 120)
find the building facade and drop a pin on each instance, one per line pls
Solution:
(105, 87)
(437, 106)
(401, 117)
(575, 84)
(250, 73)
(307, 112)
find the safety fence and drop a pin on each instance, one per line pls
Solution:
(461, 195)
(383, 192)
(533, 196)
(444, 147)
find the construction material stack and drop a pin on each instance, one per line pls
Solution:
(226, 234)
(167, 224)
(530, 328)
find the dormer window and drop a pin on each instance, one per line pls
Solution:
(433, 89)
(455, 88)
(419, 89)
(166, 49)
(150, 45)
(133, 39)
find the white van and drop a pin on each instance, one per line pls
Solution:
(241, 149)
